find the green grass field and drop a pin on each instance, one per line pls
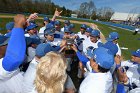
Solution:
(126, 38)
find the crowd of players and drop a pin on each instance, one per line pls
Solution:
(34, 61)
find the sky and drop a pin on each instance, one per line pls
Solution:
(116, 5)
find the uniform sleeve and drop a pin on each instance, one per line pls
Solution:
(56, 48)
(52, 22)
(119, 50)
(82, 58)
(29, 77)
(15, 50)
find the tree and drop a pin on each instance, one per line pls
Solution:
(87, 8)
(104, 13)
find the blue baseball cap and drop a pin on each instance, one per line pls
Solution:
(8, 34)
(31, 26)
(90, 51)
(72, 26)
(89, 30)
(103, 57)
(113, 36)
(46, 19)
(32, 22)
(43, 48)
(136, 53)
(67, 29)
(3, 40)
(30, 41)
(67, 22)
(49, 26)
(111, 46)
(10, 26)
(57, 23)
(95, 33)
(34, 36)
(49, 32)
(84, 26)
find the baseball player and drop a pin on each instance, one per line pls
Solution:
(49, 34)
(129, 72)
(99, 80)
(9, 27)
(57, 25)
(81, 34)
(11, 57)
(46, 21)
(88, 32)
(93, 41)
(31, 30)
(113, 37)
(31, 44)
(66, 23)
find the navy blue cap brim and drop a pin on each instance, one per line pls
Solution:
(34, 26)
(109, 39)
(94, 35)
(51, 33)
(67, 31)
(83, 27)
(31, 27)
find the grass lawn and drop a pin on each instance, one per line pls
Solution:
(126, 38)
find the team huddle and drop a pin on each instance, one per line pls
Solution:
(33, 61)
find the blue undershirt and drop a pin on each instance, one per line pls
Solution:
(15, 51)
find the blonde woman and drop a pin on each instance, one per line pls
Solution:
(51, 73)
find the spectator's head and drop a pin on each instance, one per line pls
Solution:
(136, 56)
(51, 73)
(46, 20)
(9, 26)
(113, 36)
(101, 59)
(3, 45)
(94, 36)
(83, 28)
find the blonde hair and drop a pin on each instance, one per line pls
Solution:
(51, 73)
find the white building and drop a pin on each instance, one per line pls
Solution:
(74, 15)
(117, 16)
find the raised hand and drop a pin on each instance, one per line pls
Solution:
(63, 43)
(118, 59)
(74, 48)
(94, 26)
(20, 21)
(122, 77)
(57, 13)
(33, 16)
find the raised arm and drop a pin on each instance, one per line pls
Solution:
(15, 52)
(56, 13)
(81, 57)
